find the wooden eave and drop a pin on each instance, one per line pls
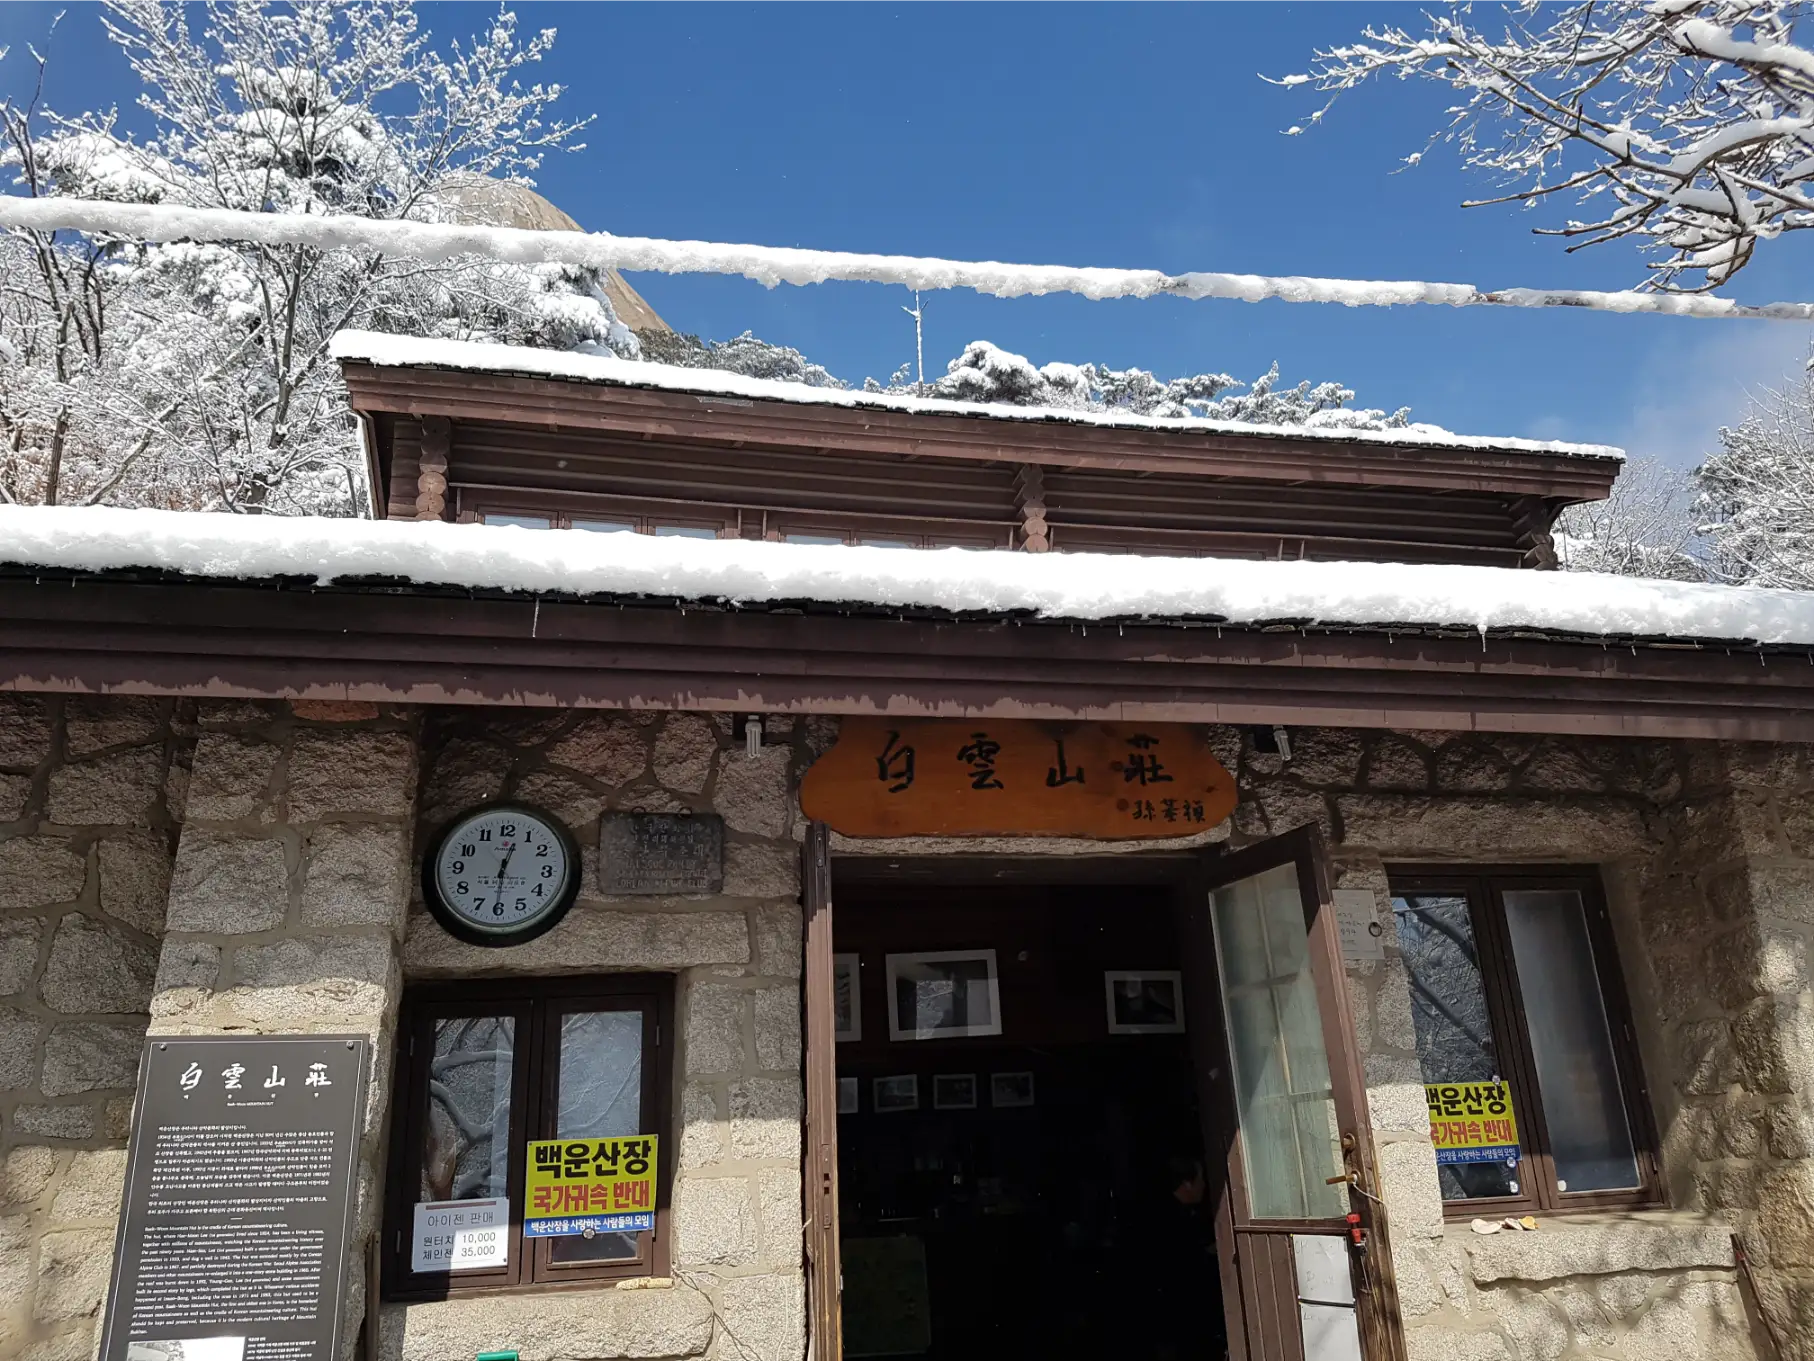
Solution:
(125, 633)
(707, 418)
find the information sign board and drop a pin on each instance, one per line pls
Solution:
(239, 1199)
(600, 1185)
(1472, 1122)
(660, 853)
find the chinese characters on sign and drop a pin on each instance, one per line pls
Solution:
(1472, 1122)
(928, 777)
(601, 1185)
(238, 1198)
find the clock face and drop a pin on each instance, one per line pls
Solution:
(501, 874)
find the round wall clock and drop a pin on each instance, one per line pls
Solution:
(501, 874)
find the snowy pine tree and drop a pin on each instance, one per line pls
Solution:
(198, 375)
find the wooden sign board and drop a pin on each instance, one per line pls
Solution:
(956, 777)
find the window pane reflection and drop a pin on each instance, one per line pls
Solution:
(1449, 1016)
(521, 521)
(468, 1136)
(684, 532)
(1290, 1145)
(605, 526)
(1583, 1104)
(600, 1097)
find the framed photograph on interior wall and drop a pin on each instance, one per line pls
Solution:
(897, 1094)
(954, 1092)
(848, 1096)
(1145, 1001)
(846, 997)
(1010, 1089)
(943, 994)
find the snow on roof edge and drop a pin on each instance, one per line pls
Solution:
(1057, 586)
(393, 351)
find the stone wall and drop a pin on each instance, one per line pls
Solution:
(736, 1289)
(90, 794)
(291, 906)
(287, 896)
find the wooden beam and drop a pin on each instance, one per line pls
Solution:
(226, 639)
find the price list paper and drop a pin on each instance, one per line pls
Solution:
(233, 1234)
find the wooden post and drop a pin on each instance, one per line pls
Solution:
(1030, 492)
(820, 1180)
(431, 477)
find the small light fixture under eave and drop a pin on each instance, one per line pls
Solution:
(750, 726)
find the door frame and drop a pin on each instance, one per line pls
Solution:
(1187, 873)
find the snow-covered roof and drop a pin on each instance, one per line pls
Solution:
(1055, 586)
(394, 351)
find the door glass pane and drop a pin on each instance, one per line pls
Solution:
(600, 1097)
(467, 1153)
(1289, 1140)
(1583, 1103)
(1449, 1015)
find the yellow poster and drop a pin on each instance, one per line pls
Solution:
(1472, 1122)
(602, 1185)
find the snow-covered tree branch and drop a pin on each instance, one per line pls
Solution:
(1646, 528)
(1686, 125)
(197, 374)
(1757, 492)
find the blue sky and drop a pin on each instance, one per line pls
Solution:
(1078, 134)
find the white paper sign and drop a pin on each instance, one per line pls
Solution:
(1356, 912)
(461, 1235)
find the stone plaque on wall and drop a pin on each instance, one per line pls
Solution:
(665, 853)
(239, 1198)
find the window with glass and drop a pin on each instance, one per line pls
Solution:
(1516, 1001)
(483, 1070)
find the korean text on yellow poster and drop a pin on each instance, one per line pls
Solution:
(602, 1185)
(1472, 1122)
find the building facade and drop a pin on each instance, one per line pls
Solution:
(1588, 867)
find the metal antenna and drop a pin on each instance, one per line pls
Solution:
(919, 340)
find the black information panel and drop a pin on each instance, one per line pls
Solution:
(239, 1198)
(660, 853)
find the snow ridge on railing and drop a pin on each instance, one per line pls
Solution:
(772, 265)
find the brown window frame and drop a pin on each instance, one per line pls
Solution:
(536, 1003)
(1484, 887)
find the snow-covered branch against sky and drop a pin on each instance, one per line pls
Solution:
(1059, 586)
(774, 265)
(1687, 125)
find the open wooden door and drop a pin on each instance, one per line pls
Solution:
(820, 1173)
(1306, 1266)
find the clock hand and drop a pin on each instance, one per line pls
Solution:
(504, 865)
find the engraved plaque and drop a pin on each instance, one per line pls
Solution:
(660, 853)
(232, 1242)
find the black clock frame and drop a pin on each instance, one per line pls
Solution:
(457, 926)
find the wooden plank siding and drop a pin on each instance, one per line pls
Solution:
(767, 468)
(77, 634)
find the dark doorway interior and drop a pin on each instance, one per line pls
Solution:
(1028, 1192)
